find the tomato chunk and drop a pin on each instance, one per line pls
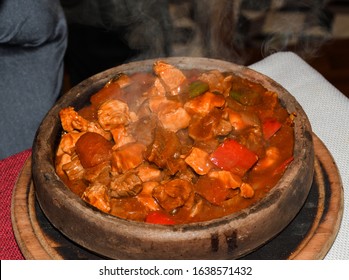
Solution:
(270, 127)
(233, 156)
(160, 218)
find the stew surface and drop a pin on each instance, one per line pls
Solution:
(175, 146)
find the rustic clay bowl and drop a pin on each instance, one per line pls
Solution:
(226, 238)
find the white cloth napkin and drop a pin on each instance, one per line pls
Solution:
(328, 112)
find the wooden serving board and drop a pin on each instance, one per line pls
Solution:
(309, 236)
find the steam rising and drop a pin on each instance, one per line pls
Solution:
(210, 28)
(145, 24)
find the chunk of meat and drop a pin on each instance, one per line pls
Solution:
(199, 160)
(155, 103)
(236, 120)
(71, 120)
(128, 208)
(128, 157)
(242, 120)
(171, 77)
(93, 149)
(73, 169)
(99, 173)
(165, 151)
(228, 179)
(96, 127)
(204, 103)
(197, 207)
(173, 116)
(125, 185)
(272, 156)
(212, 189)
(170, 113)
(143, 129)
(146, 198)
(206, 127)
(157, 89)
(67, 143)
(223, 128)
(60, 162)
(148, 173)
(121, 136)
(112, 114)
(97, 196)
(173, 194)
(246, 190)
(216, 81)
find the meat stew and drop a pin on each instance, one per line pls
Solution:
(175, 146)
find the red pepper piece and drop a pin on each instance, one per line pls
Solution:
(270, 127)
(234, 157)
(282, 167)
(160, 218)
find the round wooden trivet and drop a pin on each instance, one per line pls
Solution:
(309, 236)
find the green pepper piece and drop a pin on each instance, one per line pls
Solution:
(245, 97)
(197, 87)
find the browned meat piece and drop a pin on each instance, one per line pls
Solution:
(205, 103)
(187, 174)
(96, 127)
(71, 120)
(199, 160)
(173, 194)
(125, 185)
(228, 179)
(165, 151)
(97, 196)
(203, 128)
(143, 130)
(171, 76)
(173, 116)
(223, 128)
(121, 136)
(157, 89)
(67, 143)
(272, 155)
(128, 157)
(216, 81)
(113, 113)
(128, 208)
(246, 190)
(99, 173)
(145, 196)
(197, 206)
(213, 190)
(73, 169)
(149, 173)
(65, 151)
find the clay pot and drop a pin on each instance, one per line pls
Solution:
(229, 237)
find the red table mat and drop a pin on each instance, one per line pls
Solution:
(10, 169)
